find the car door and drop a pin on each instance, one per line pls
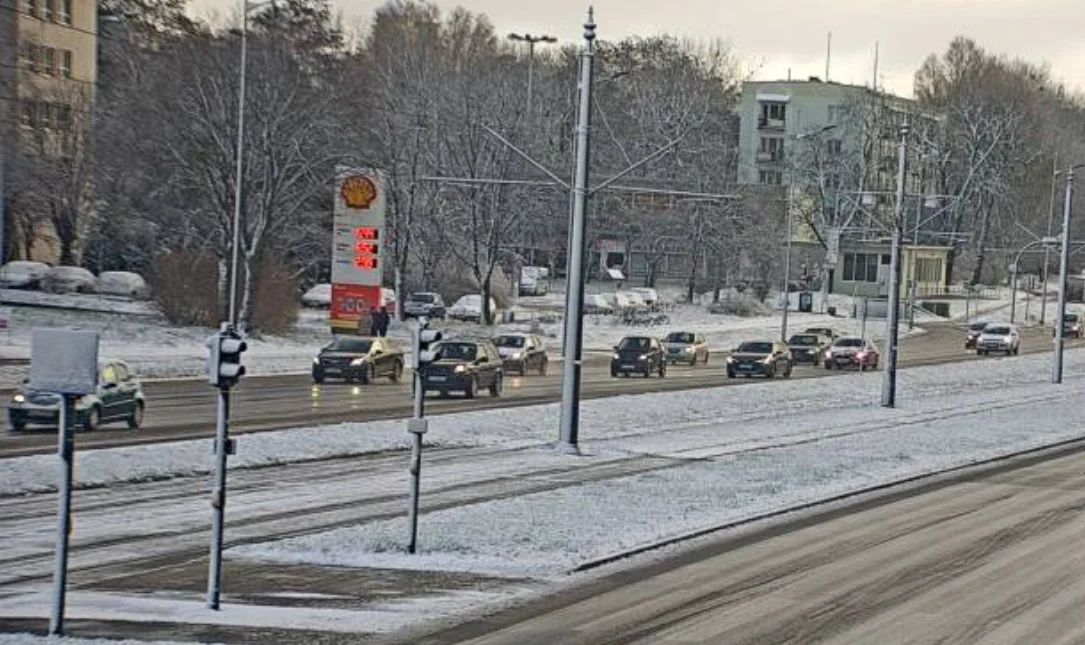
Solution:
(378, 356)
(701, 347)
(128, 387)
(537, 353)
(781, 356)
(109, 392)
(490, 367)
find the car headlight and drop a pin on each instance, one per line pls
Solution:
(316, 360)
(730, 359)
(616, 356)
(18, 398)
(688, 350)
(461, 369)
(517, 356)
(356, 362)
(642, 357)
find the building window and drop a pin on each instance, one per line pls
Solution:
(66, 63)
(30, 114)
(47, 10)
(834, 113)
(836, 146)
(31, 8)
(26, 57)
(64, 13)
(770, 177)
(772, 148)
(832, 181)
(773, 111)
(861, 267)
(49, 61)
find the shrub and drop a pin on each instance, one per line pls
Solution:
(275, 298)
(185, 286)
(743, 306)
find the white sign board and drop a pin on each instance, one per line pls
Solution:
(64, 361)
(359, 227)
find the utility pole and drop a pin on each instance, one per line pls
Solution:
(889, 381)
(570, 385)
(1055, 172)
(1064, 264)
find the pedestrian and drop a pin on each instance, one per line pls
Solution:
(374, 321)
(383, 320)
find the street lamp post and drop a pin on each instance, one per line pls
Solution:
(531, 42)
(1064, 263)
(889, 381)
(1050, 221)
(790, 233)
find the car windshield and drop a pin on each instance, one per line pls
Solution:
(635, 343)
(824, 331)
(351, 345)
(997, 331)
(459, 351)
(1070, 318)
(755, 348)
(509, 341)
(803, 340)
(977, 326)
(849, 342)
(680, 337)
(422, 297)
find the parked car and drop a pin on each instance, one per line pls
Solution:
(635, 300)
(22, 274)
(123, 283)
(638, 355)
(760, 358)
(1071, 326)
(469, 308)
(619, 301)
(534, 281)
(686, 347)
(973, 333)
(362, 359)
(648, 295)
(522, 352)
(852, 351)
(998, 337)
(66, 279)
(827, 332)
(597, 304)
(808, 348)
(424, 304)
(319, 297)
(467, 366)
(119, 398)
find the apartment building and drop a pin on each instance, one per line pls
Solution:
(837, 146)
(50, 71)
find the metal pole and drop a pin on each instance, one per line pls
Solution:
(574, 305)
(1013, 294)
(66, 451)
(218, 500)
(240, 169)
(530, 74)
(1050, 223)
(889, 381)
(1064, 263)
(3, 202)
(914, 272)
(416, 447)
(787, 257)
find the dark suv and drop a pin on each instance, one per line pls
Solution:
(465, 366)
(639, 355)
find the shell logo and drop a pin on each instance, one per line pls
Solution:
(358, 191)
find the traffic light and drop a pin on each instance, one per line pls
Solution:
(224, 367)
(426, 338)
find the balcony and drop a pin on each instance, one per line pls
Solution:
(770, 157)
(765, 123)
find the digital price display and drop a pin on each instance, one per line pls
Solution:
(367, 233)
(366, 247)
(366, 261)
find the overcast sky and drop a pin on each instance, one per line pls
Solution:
(776, 35)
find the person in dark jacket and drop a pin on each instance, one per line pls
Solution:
(374, 322)
(383, 320)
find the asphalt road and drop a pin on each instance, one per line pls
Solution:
(991, 558)
(185, 409)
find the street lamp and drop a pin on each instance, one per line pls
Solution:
(790, 207)
(1050, 221)
(1060, 316)
(1015, 267)
(531, 42)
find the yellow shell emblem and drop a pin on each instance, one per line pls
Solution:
(358, 191)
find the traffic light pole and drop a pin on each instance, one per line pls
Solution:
(218, 499)
(416, 426)
(66, 450)
(892, 318)
(1064, 263)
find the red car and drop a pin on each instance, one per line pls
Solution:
(851, 351)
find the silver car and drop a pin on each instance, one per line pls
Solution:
(685, 347)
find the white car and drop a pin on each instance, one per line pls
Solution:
(648, 295)
(320, 296)
(998, 337)
(65, 279)
(469, 307)
(22, 274)
(123, 283)
(597, 304)
(634, 300)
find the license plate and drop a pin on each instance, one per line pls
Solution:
(745, 367)
(438, 379)
(332, 370)
(627, 366)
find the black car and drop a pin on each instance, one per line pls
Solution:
(521, 353)
(466, 366)
(1071, 326)
(807, 348)
(973, 333)
(760, 358)
(639, 355)
(358, 359)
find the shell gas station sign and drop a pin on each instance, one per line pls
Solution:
(357, 242)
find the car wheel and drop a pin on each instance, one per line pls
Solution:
(613, 374)
(790, 368)
(828, 365)
(92, 418)
(397, 372)
(366, 377)
(543, 366)
(135, 419)
(318, 377)
(706, 355)
(523, 368)
(472, 389)
(498, 386)
(1016, 350)
(17, 425)
(730, 374)
(662, 370)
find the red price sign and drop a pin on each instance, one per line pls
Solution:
(366, 233)
(366, 247)
(366, 262)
